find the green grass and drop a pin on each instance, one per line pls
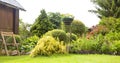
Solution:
(70, 58)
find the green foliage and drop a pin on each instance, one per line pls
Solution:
(83, 46)
(99, 45)
(108, 48)
(24, 30)
(107, 8)
(77, 27)
(41, 25)
(111, 23)
(47, 45)
(55, 19)
(112, 36)
(72, 37)
(75, 47)
(57, 34)
(29, 43)
(117, 45)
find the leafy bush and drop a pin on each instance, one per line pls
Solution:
(112, 36)
(83, 46)
(113, 24)
(108, 48)
(29, 43)
(77, 27)
(75, 46)
(57, 34)
(47, 45)
(117, 46)
(72, 37)
(98, 29)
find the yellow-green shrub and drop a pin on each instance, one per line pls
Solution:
(47, 45)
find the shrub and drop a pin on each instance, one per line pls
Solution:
(113, 24)
(77, 27)
(117, 46)
(47, 45)
(83, 45)
(57, 34)
(113, 36)
(75, 46)
(73, 37)
(98, 29)
(108, 48)
(29, 43)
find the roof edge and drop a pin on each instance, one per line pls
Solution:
(12, 6)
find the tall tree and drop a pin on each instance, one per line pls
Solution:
(41, 25)
(107, 8)
(55, 19)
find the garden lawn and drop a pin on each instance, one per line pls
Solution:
(70, 58)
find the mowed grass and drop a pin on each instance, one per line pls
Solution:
(69, 58)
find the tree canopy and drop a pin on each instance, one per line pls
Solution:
(41, 25)
(107, 8)
(55, 19)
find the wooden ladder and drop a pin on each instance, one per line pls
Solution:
(5, 44)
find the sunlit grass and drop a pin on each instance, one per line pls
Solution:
(69, 58)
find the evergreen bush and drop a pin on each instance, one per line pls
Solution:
(47, 45)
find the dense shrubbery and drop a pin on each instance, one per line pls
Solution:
(112, 36)
(47, 45)
(83, 46)
(111, 23)
(57, 34)
(28, 44)
(104, 39)
(99, 44)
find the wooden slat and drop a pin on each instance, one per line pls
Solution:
(0, 40)
(7, 33)
(5, 46)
